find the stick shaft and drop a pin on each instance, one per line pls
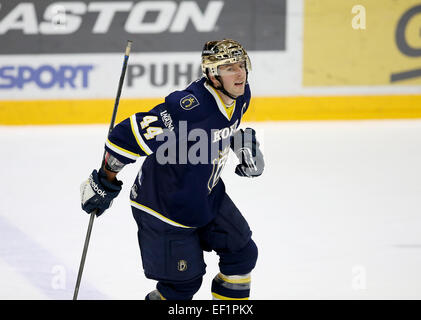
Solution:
(85, 251)
(93, 214)
(120, 84)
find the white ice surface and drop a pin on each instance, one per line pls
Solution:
(336, 214)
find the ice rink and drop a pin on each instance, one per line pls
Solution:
(336, 214)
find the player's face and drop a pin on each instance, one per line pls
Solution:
(234, 77)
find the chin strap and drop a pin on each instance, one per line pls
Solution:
(221, 88)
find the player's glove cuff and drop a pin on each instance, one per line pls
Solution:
(97, 193)
(246, 147)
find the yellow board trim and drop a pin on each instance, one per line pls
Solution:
(57, 112)
(52, 112)
(218, 296)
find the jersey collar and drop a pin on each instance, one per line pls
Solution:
(221, 105)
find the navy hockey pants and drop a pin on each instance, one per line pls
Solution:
(174, 256)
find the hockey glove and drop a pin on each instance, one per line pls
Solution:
(246, 147)
(98, 193)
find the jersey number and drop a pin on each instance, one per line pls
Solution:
(151, 132)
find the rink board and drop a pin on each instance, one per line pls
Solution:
(46, 112)
(311, 59)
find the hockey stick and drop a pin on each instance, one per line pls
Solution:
(93, 214)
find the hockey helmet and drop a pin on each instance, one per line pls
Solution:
(217, 53)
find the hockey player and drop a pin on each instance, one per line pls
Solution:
(178, 199)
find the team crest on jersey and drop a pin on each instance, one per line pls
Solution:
(182, 265)
(189, 102)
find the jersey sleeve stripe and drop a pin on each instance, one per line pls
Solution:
(121, 151)
(157, 215)
(142, 144)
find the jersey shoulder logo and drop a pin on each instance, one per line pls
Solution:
(189, 102)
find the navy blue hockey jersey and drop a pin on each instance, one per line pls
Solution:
(186, 142)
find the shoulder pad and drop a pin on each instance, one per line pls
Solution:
(181, 101)
(188, 99)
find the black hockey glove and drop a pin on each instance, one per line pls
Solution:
(98, 193)
(246, 147)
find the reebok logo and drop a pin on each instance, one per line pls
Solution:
(95, 187)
